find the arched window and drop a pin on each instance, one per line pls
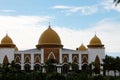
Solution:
(27, 59)
(75, 59)
(37, 59)
(65, 59)
(84, 60)
(17, 59)
(51, 56)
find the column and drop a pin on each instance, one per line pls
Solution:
(32, 60)
(60, 56)
(80, 63)
(42, 55)
(59, 68)
(22, 66)
(70, 57)
(43, 69)
(22, 61)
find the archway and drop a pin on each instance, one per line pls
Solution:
(5, 60)
(97, 65)
(18, 66)
(37, 67)
(27, 67)
(65, 68)
(51, 65)
(85, 67)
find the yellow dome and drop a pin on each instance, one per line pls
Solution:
(49, 37)
(95, 41)
(82, 48)
(6, 40)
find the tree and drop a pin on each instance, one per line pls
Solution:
(51, 65)
(116, 2)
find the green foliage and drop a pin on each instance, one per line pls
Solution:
(55, 76)
(11, 72)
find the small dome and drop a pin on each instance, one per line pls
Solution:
(49, 37)
(95, 41)
(82, 48)
(6, 40)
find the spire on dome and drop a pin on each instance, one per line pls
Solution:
(49, 25)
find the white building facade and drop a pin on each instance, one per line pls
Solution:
(49, 49)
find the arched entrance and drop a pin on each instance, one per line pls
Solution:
(85, 67)
(65, 68)
(5, 60)
(75, 67)
(97, 65)
(51, 65)
(27, 67)
(38, 67)
(18, 66)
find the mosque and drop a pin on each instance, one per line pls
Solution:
(50, 48)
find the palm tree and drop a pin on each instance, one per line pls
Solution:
(116, 2)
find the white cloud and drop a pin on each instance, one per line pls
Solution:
(22, 29)
(61, 7)
(84, 10)
(109, 5)
(26, 30)
(107, 30)
(7, 11)
(103, 6)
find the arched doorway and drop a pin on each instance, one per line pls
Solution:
(27, 67)
(51, 65)
(18, 66)
(65, 68)
(37, 67)
(5, 60)
(85, 67)
(97, 65)
(75, 67)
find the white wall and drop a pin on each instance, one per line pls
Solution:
(6, 51)
(93, 52)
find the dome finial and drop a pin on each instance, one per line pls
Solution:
(95, 33)
(6, 34)
(49, 25)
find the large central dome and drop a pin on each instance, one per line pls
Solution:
(49, 38)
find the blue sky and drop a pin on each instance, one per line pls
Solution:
(78, 19)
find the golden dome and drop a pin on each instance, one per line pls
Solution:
(6, 40)
(49, 37)
(95, 41)
(82, 48)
